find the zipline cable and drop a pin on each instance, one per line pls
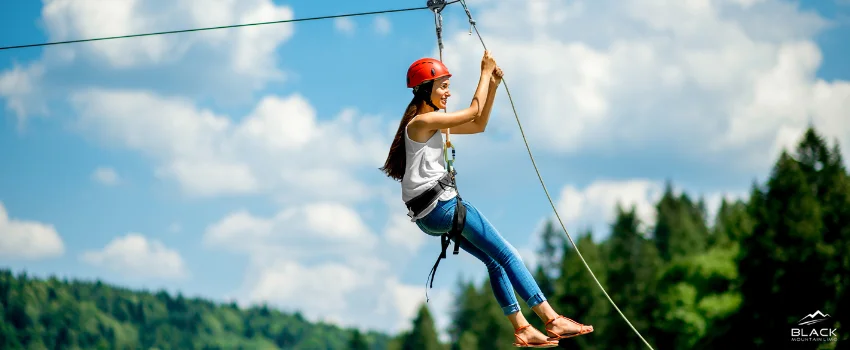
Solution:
(219, 27)
(516, 115)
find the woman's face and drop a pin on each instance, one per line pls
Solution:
(440, 92)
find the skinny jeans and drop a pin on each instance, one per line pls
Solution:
(504, 264)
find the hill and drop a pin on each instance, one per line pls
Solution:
(61, 314)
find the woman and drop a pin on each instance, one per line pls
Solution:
(416, 160)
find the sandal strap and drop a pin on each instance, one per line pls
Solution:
(554, 319)
(516, 334)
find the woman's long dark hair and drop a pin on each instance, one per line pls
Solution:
(396, 161)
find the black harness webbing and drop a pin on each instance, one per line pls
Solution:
(420, 202)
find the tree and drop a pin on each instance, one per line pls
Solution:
(423, 336)
(697, 295)
(680, 229)
(578, 296)
(632, 265)
(549, 258)
(357, 341)
(781, 279)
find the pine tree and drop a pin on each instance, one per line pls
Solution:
(423, 336)
(825, 171)
(357, 341)
(780, 274)
(680, 229)
(578, 296)
(549, 258)
(731, 225)
(633, 262)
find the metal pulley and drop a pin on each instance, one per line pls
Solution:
(436, 5)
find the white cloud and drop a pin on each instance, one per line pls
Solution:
(28, 240)
(382, 24)
(345, 25)
(136, 256)
(106, 176)
(400, 232)
(18, 86)
(315, 229)
(594, 206)
(275, 147)
(249, 50)
(225, 64)
(297, 252)
(699, 78)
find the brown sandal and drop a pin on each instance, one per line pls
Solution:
(520, 343)
(583, 329)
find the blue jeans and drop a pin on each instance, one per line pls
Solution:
(484, 242)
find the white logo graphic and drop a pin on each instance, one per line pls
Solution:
(811, 318)
(807, 332)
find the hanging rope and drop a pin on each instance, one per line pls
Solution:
(221, 27)
(437, 7)
(516, 115)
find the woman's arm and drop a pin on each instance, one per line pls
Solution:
(436, 120)
(482, 121)
(479, 124)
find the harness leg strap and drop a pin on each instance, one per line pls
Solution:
(458, 223)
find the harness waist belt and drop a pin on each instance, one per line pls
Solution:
(424, 199)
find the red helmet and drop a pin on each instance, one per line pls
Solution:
(425, 69)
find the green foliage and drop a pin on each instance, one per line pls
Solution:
(423, 336)
(53, 314)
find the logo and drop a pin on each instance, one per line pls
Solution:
(809, 328)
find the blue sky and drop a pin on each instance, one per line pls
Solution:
(242, 164)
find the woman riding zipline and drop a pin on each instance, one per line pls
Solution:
(416, 160)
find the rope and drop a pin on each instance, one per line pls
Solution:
(219, 27)
(505, 84)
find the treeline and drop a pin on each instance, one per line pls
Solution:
(61, 314)
(742, 279)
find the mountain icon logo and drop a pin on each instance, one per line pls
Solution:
(813, 318)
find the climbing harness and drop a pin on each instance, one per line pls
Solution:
(552, 203)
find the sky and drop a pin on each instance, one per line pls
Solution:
(241, 164)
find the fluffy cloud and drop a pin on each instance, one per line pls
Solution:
(594, 206)
(321, 258)
(382, 25)
(297, 232)
(345, 25)
(207, 154)
(136, 256)
(700, 78)
(29, 240)
(249, 50)
(106, 176)
(18, 86)
(227, 65)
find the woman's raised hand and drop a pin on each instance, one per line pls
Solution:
(487, 62)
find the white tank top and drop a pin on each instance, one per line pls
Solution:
(425, 166)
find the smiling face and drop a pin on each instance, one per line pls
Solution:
(440, 92)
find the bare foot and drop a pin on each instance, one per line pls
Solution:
(565, 327)
(529, 335)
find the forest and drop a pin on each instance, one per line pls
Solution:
(746, 278)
